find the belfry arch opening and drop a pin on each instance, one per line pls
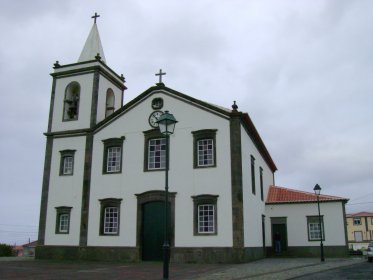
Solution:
(110, 102)
(71, 102)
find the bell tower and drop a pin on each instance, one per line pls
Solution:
(83, 94)
(86, 92)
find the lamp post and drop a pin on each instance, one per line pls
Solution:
(166, 124)
(317, 190)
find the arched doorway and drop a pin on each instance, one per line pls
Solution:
(150, 224)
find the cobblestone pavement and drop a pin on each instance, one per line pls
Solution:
(270, 268)
(279, 268)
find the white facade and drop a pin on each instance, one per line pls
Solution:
(184, 179)
(254, 205)
(65, 191)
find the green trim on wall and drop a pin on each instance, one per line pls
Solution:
(45, 190)
(345, 223)
(236, 180)
(253, 188)
(96, 84)
(51, 106)
(86, 190)
(69, 133)
(261, 183)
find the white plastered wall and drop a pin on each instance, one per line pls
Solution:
(183, 178)
(253, 205)
(296, 215)
(65, 191)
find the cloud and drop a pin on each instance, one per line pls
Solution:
(301, 70)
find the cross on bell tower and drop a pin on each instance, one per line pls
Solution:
(95, 17)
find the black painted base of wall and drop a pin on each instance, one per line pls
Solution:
(183, 254)
(215, 254)
(91, 253)
(132, 254)
(311, 252)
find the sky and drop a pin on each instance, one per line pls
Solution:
(301, 69)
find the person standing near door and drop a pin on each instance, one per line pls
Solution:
(277, 239)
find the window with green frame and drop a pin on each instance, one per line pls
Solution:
(315, 233)
(253, 190)
(63, 219)
(113, 155)
(204, 148)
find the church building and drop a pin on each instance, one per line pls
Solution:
(103, 192)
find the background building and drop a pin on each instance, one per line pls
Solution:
(359, 229)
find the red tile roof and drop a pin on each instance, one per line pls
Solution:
(360, 214)
(284, 195)
(31, 244)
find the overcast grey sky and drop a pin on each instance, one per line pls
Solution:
(301, 69)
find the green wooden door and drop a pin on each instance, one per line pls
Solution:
(152, 231)
(281, 229)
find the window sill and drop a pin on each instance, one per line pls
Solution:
(205, 234)
(204, 167)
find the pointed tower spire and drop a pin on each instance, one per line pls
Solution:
(93, 45)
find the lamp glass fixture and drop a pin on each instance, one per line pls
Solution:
(317, 189)
(167, 123)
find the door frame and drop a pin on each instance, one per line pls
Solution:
(279, 221)
(152, 196)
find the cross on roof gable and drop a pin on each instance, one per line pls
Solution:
(160, 74)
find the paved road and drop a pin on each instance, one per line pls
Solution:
(359, 271)
(79, 270)
(265, 269)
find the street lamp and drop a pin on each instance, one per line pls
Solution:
(166, 124)
(317, 190)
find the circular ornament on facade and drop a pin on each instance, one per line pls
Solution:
(157, 103)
